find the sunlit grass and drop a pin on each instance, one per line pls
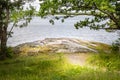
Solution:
(50, 67)
(109, 61)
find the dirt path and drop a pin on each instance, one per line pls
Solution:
(80, 59)
(77, 59)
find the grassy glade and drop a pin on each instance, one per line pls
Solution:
(50, 67)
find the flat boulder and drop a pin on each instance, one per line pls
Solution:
(65, 45)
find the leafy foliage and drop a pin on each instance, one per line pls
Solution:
(16, 13)
(103, 11)
(12, 11)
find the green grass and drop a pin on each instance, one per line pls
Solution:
(50, 67)
(109, 61)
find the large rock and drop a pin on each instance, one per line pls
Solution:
(67, 45)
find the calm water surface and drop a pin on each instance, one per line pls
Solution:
(41, 28)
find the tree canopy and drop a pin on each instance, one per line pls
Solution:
(12, 11)
(105, 11)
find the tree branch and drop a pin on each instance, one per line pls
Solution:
(112, 17)
(11, 30)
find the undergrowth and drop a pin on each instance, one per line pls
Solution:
(51, 67)
(109, 61)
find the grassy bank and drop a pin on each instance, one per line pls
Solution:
(44, 63)
(51, 67)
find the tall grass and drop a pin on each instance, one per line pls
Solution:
(50, 67)
(109, 61)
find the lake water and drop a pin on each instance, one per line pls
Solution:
(41, 28)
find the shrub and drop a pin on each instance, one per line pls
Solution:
(10, 52)
(115, 48)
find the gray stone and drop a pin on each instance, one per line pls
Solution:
(68, 45)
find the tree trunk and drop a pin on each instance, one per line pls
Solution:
(3, 46)
(3, 33)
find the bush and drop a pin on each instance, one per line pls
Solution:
(10, 52)
(115, 48)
